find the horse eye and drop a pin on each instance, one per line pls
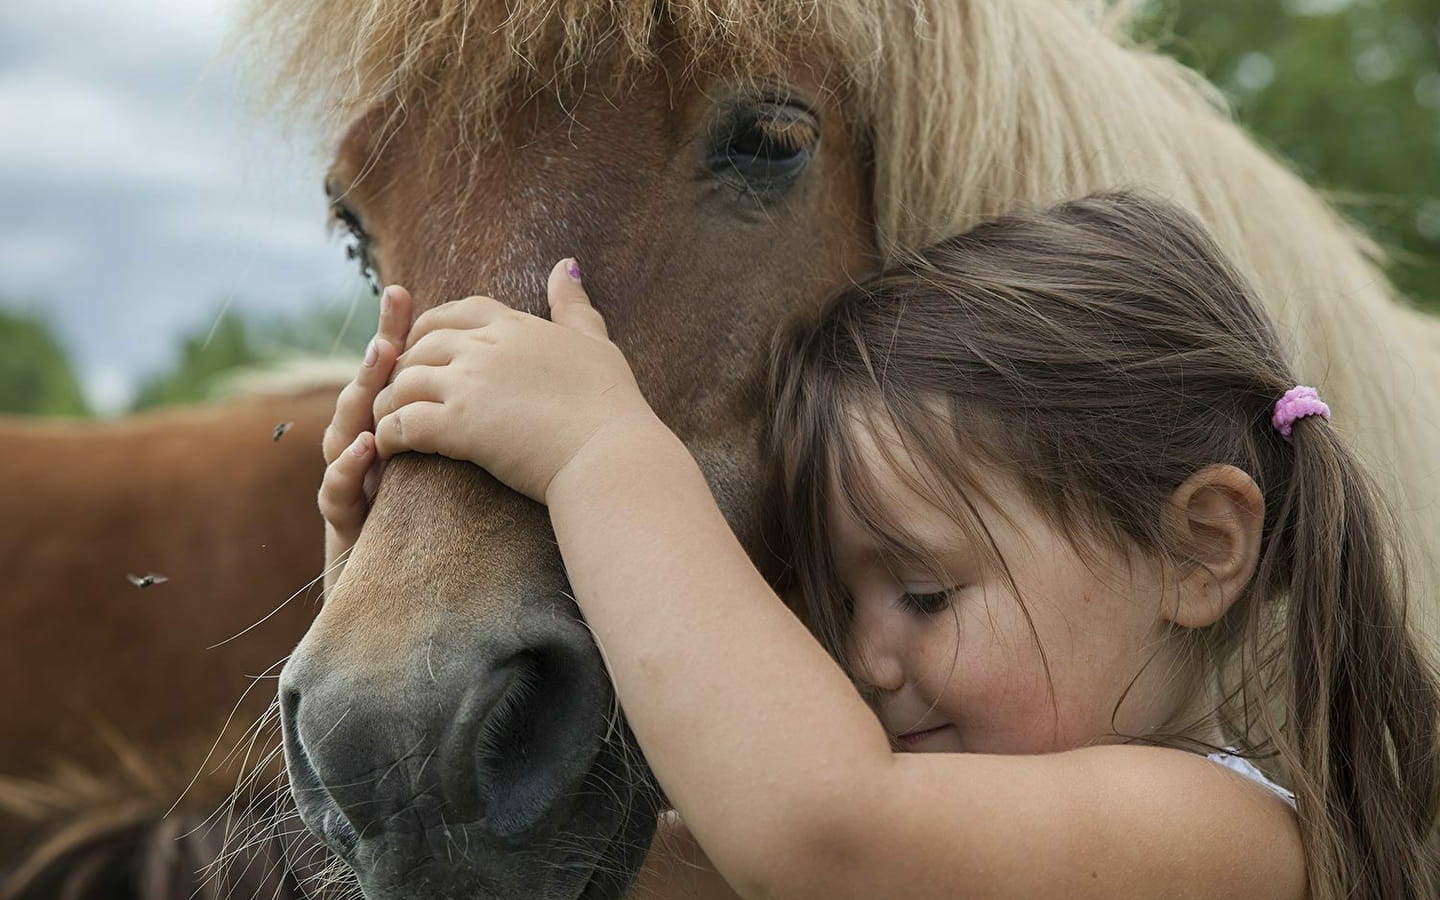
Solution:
(358, 245)
(762, 148)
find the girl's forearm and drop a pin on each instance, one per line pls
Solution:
(742, 715)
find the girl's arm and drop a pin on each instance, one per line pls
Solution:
(741, 714)
(776, 764)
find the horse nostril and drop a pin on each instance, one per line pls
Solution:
(289, 710)
(534, 744)
(318, 810)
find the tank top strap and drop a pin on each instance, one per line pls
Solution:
(1245, 767)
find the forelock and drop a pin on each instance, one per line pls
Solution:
(334, 60)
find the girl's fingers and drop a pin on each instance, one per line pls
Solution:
(342, 497)
(471, 312)
(352, 407)
(415, 426)
(396, 309)
(352, 464)
(570, 305)
(436, 348)
(414, 384)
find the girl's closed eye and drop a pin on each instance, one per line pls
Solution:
(931, 602)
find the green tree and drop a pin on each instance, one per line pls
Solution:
(1348, 91)
(204, 358)
(236, 342)
(36, 376)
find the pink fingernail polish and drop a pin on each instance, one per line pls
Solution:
(572, 269)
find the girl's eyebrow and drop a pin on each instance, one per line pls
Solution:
(905, 550)
(958, 545)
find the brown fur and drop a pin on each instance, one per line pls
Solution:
(93, 663)
(124, 837)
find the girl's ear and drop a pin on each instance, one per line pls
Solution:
(1216, 516)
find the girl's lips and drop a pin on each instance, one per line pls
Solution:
(911, 740)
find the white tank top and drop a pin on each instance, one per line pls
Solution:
(1247, 768)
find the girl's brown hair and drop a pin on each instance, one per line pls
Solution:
(1104, 351)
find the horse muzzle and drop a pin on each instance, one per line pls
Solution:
(481, 769)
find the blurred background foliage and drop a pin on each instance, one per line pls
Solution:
(1347, 90)
(35, 372)
(37, 378)
(240, 342)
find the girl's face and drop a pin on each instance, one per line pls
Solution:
(954, 664)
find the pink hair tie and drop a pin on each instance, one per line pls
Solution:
(1298, 402)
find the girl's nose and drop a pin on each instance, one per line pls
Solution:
(873, 651)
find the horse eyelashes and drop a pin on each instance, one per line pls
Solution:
(358, 246)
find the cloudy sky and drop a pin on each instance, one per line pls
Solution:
(139, 192)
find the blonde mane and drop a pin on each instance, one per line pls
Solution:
(975, 107)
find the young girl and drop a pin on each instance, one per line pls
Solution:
(1055, 505)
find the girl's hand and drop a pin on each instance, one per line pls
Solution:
(513, 393)
(352, 467)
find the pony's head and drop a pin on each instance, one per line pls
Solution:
(716, 167)
(469, 745)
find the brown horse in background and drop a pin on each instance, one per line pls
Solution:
(113, 694)
(717, 168)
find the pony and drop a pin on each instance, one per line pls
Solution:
(717, 166)
(147, 563)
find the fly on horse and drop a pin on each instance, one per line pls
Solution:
(717, 166)
(143, 559)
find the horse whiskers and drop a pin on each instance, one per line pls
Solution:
(305, 864)
(268, 722)
(617, 733)
(233, 828)
(286, 602)
(592, 858)
(260, 826)
(245, 784)
(251, 771)
(220, 737)
(251, 782)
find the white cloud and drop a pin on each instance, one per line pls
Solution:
(124, 26)
(254, 231)
(90, 129)
(138, 192)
